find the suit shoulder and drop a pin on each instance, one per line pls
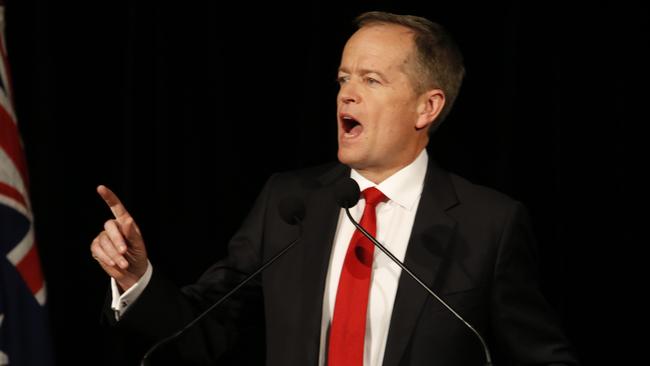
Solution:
(477, 195)
(484, 209)
(308, 178)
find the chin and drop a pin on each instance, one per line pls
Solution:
(348, 158)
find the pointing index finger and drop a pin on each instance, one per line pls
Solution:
(114, 203)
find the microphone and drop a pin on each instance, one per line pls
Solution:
(292, 211)
(347, 195)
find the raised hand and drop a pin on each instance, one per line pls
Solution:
(119, 249)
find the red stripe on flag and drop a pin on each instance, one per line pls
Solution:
(30, 269)
(10, 142)
(11, 192)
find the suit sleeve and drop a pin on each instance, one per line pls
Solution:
(162, 309)
(525, 326)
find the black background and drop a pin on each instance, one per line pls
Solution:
(185, 109)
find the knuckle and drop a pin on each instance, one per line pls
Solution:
(106, 243)
(109, 224)
(96, 246)
(101, 236)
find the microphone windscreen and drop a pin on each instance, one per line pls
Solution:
(292, 210)
(347, 193)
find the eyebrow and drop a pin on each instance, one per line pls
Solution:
(366, 72)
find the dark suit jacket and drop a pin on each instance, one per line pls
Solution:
(470, 244)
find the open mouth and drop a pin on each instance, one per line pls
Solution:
(351, 127)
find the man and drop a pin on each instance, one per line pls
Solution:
(333, 300)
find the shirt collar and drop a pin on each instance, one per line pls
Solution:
(405, 186)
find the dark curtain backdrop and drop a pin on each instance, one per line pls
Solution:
(184, 110)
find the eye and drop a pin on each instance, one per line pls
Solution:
(342, 79)
(372, 81)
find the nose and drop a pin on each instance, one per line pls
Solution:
(349, 93)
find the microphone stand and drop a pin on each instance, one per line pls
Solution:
(488, 358)
(145, 358)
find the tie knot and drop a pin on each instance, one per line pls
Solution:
(373, 196)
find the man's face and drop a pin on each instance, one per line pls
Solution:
(377, 106)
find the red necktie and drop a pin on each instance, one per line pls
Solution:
(348, 329)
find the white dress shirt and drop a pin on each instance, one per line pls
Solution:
(394, 223)
(120, 303)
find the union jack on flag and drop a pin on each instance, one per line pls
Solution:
(24, 338)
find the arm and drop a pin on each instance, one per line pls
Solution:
(525, 326)
(163, 308)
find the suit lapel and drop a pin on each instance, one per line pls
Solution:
(319, 230)
(430, 238)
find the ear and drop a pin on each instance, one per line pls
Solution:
(429, 107)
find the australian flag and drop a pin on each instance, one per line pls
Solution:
(24, 336)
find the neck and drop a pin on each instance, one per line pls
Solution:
(378, 175)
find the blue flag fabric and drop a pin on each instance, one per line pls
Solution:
(24, 334)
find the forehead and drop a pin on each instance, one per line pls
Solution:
(378, 45)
